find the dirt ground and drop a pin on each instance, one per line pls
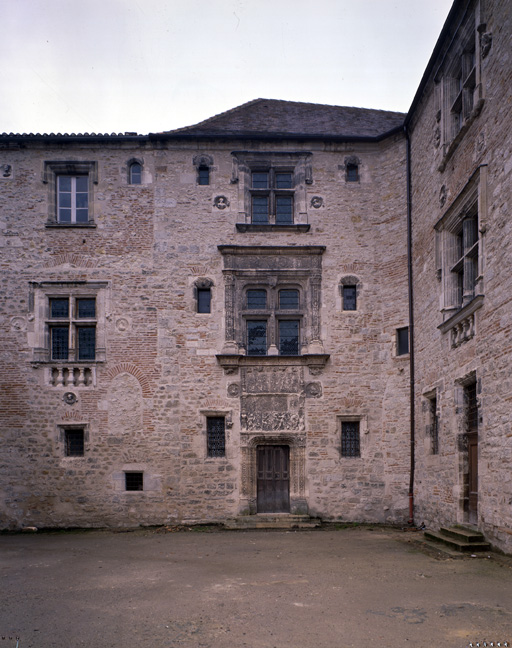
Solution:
(365, 586)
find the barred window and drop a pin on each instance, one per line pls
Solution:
(350, 439)
(350, 298)
(204, 299)
(216, 436)
(134, 481)
(74, 443)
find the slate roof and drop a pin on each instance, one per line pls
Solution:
(272, 117)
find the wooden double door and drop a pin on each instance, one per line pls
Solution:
(273, 479)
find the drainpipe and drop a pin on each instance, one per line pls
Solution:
(411, 324)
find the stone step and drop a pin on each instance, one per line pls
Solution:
(465, 534)
(457, 543)
(272, 521)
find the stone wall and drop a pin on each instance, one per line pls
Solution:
(476, 348)
(145, 402)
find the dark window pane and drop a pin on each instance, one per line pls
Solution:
(59, 307)
(134, 481)
(284, 210)
(135, 173)
(64, 183)
(82, 216)
(60, 342)
(64, 215)
(86, 338)
(402, 340)
(260, 209)
(289, 337)
(471, 408)
(82, 201)
(74, 442)
(349, 298)
(204, 297)
(257, 338)
(203, 175)
(256, 299)
(64, 200)
(352, 173)
(216, 436)
(260, 180)
(82, 184)
(86, 307)
(350, 439)
(283, 180)
(289, 299)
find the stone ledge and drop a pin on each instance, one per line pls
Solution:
(314, 361)
(250, 227)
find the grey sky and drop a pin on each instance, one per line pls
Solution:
(150, 65)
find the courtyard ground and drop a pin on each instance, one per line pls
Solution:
(340, 587)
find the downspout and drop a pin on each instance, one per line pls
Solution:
(411, 324)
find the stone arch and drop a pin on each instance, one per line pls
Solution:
(128, 367)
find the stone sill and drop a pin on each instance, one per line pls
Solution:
(314, 361)
(249, 227)
(70, 225)
(462, 314)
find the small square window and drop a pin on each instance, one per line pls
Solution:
(350, 446)
(204, 299)
(74, 443)
(86, 308)
(134, 481)
(402, 341)
(216, 436)
(59, 308)
(349, 298)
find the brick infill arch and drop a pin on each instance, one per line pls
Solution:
(133, 370)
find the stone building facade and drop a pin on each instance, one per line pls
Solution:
(214, 322)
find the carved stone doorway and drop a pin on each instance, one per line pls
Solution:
(273, 489)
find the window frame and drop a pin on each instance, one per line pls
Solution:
(273, 316)
(128, 475)
(362, 430)
(212, 451)
(135, 179)
(53, 170)
(272, 193)
(402, 349)
(41, 294)
(74, 324)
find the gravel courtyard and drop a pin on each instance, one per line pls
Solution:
(364, 586)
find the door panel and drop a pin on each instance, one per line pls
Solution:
(273, 479)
